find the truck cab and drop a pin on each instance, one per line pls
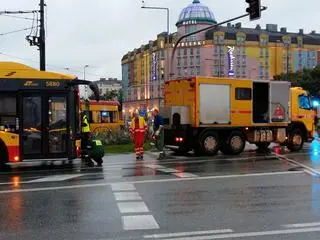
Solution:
(302, 113)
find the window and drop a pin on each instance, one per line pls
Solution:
(107, 117)
(243, 94)
(191, 51)
(162, 54)
(7, 106)
(185, 52)
(185, 62)
(198, 51)
(198, 60)
(8, 113)
(191, 61)
(191, 71)
(198, 71)
(179, 52)
(304, 102)
(179, 62)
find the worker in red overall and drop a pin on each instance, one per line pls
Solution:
(138, 128)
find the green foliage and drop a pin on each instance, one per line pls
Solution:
(308, 79)
(109, 96)
(114, 137)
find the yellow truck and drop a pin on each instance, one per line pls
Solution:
(208, 115)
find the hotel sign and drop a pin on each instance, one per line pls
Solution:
(231, 59)
(154, 65)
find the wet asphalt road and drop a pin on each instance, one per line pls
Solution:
(251, 196)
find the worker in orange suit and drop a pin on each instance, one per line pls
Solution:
(138, 128)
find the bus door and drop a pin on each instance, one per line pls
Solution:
(44, 126)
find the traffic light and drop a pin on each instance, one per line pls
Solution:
(254, 9)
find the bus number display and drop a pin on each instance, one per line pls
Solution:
(52, 84)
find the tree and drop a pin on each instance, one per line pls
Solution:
(308, 79)
(112, 95)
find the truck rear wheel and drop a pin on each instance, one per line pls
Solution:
(236, 143)
(209, 143)
(295, 140)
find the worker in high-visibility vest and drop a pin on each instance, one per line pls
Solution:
(85, 136)
(138, 128)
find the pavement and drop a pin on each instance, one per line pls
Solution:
(250, 196)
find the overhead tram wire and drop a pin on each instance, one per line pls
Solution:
(16, 31)
(13, 16)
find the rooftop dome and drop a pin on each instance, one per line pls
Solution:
(198, 12)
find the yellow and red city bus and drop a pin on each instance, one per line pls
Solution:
(39, 114)
(103, 115)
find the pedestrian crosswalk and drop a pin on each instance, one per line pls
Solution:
(56, 178)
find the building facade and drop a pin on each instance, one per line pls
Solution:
(227, 51)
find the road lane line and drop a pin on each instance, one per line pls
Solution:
(127, 196)
(122, 187)
(302, 225)
(148, 181)
(172, 171)
(185, 175)
(297, 163)
(310, 173)
(56, 178)
(139, 222)
(249, 234)
(182, 234)
(132, 207)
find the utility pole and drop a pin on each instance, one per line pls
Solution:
(42, 38)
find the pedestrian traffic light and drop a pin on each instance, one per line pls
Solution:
(254, 9)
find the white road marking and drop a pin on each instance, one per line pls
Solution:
(249, 234)
(214, 159)
(168, 170)
(148, 181)
(132, 207)
(153, 166)
(56, 178)
(86, 174)
(302, 225)
(310, 173)
(122, 186)
(172, 171)
(127, 196)
(182, 234)
(184, 175)
(298, 164)
(139, 222)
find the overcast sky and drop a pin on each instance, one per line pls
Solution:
(100, 32)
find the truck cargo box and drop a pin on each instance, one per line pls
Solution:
(214, 103)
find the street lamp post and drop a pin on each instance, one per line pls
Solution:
(84, 78)
(168, 41)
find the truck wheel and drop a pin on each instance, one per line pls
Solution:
(295, 140)
(262, 147)
(236, 143)
(210, 144)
